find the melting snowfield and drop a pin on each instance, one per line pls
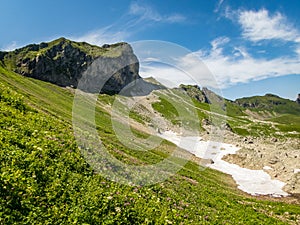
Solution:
(254, 182)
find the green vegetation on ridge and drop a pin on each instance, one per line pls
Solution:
(271, 103)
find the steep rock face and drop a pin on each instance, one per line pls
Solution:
(63, 62)
(205, 95)
(213, 97)
(112, 71)
(195, 92)
(298, 99)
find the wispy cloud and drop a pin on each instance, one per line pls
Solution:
(170, 76)
(218, 6)
(216, 69)
(260, 25)
(146, 12)
(216, 43)
(137, 18)
(175, 18)
(241, 67)
(10, 47)
(103, 36)
(297, 50)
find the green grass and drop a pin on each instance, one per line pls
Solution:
(41, 95)
(139, 117)
(283, 125)
(289, 124)
(287, 119)
(179, 109)
(270, 103)
(201, 105)
(167, 110)
(233, 110)
(45, 180)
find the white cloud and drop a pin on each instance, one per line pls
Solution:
(216, 43)
(175, 18)
(215, 69)
(184, 69)
(242, 67)
(240, 52)
(167, 75)
(297, 50)
(137, 18)
(260, 25)
(218, 6)
(146, 12)
(10, 47)
(103, 36)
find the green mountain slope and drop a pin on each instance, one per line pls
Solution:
(258, 116)
(45, 180)
(271, 103)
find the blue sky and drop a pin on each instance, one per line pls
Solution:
(250, 47)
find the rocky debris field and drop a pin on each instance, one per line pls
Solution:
(279, 158)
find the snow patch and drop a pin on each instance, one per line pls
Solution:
(296, 170)
(254, 182)
(267, 168)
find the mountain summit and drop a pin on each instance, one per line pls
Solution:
(63, 62)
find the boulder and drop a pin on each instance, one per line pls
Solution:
(298, 99)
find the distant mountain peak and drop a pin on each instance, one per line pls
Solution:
(269, 102)
(271, 95)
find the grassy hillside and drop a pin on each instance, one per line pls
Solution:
(45, 180)
(258, 116)
(271, 103)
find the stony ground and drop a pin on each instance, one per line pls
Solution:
(279, 158)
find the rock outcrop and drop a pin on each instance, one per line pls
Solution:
(298, 99)
(205, 95)
(64, 62)
(213, 98)
(195, 92)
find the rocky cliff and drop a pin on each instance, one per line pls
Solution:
(195, 92)
(64, 62)
(298, 99)
(205, 95)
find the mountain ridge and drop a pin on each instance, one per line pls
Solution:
(269, 102)
(63, 62)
